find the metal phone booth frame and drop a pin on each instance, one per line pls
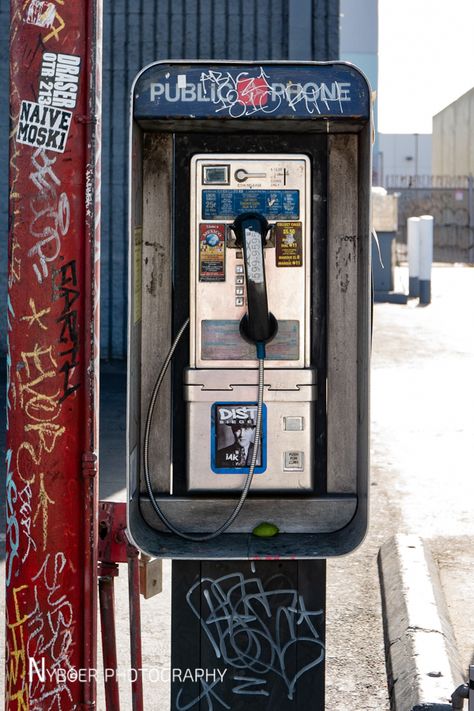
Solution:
(318, 110)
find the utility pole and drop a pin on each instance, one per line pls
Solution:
(52, 387)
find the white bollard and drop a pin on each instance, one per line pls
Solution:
(426, 257)
(413, 244)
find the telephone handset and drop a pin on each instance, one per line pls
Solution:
(257, 325)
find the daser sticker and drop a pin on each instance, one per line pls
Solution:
(59, 80)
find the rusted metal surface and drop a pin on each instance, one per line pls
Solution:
(52, 387)
(112, 537)
(107, 572)
(115, 548)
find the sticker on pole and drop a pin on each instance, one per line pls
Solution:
(43, 126)
(59, 80)
(41, 13)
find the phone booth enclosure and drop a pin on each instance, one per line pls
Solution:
(291, 142)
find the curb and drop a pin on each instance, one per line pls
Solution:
(422, 660)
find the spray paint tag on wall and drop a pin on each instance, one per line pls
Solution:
(233, 426)
(211, 252)
(289, 244)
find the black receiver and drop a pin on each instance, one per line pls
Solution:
(258, 325)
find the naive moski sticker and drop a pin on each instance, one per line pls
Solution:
(43, 126)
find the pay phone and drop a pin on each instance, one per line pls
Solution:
(249, 313)
(220, 383)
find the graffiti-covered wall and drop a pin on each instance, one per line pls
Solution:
(137, 32)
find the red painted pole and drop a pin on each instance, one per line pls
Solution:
(52, 388)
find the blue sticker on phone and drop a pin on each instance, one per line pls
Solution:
(233, 428)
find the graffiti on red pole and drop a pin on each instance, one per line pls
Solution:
(51, 321)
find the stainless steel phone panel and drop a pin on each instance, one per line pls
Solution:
(286, 457)
(222, 186)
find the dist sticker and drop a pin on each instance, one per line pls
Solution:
(289, 244)
(40, 13)
(43, 126)
(211, 252)
(233, 429)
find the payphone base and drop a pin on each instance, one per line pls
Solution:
(221, 409)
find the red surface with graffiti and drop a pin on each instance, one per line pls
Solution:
(52, 355)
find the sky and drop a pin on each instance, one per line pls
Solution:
(426, 60)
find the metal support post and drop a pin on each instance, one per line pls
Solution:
(135, 627)
(107, 573)
(114, 548)
(252, 634)
(53, 355)
(413, 244)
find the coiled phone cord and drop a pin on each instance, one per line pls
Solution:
(146, 445)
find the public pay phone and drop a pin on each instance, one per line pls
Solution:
(221, 429)
(249, 309)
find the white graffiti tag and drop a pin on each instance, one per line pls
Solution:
(51, 214)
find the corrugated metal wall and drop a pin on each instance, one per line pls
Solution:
(137, 32)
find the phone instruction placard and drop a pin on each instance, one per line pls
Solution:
(273, 204)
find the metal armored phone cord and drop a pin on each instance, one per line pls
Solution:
(250, 473)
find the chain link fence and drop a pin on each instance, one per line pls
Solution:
(450, 200)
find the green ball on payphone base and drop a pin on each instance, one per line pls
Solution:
(265, 530)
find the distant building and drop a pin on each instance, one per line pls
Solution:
(359, 36)
(359, 44)
(453, 138)
(402, 154)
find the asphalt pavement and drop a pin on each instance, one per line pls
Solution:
(422, 486)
